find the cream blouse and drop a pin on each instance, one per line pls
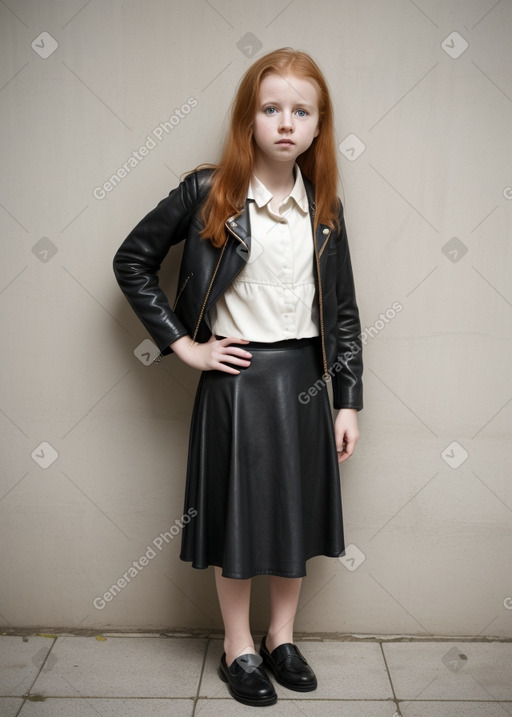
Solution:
(272, 297)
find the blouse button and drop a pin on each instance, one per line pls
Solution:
(326, 231)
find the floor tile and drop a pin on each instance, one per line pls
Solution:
(91, 707)
(122, 667)
(296, 708)
(20, 661)
(144, 675)
(456, 709)
(450, 670)
(9, 706)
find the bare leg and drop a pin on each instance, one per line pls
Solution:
(284, 598)
(234, 600)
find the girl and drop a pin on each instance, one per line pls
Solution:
(266, 310)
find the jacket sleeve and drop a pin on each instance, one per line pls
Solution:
(138, 260)
(347, 381)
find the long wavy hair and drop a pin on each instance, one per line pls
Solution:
(231, 177)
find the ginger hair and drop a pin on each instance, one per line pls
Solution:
(231, 176)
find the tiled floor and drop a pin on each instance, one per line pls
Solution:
(133, 675)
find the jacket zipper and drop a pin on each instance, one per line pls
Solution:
(214, 275)
(181, 290)
(208, 292)
(326, 377)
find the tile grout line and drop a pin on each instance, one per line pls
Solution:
(395, 699)
(25, 697)
(213, 635)
(201, 673)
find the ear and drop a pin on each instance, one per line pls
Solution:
(317, 130)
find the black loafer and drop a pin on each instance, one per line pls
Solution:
(289, 667)
(247, 680)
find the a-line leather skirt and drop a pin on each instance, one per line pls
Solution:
(263, 483)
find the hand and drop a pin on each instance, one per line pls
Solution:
(208, 356)
(346, 433)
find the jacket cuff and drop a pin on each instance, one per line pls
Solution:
(343, 397)
(165, 343)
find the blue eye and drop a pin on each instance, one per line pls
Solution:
(270, 110)
(303, 113)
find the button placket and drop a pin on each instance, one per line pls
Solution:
(288, 316)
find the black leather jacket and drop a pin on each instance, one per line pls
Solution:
(206, 272)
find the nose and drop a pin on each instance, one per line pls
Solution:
(286, 123)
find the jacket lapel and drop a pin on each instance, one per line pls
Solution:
(236, 252)
(323, 232)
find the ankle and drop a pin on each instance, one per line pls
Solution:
(273, 640)
(235, 649)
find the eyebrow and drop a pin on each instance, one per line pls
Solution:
(276, 102)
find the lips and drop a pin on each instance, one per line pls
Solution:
(285, 141)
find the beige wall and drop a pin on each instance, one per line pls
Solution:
(430, 535)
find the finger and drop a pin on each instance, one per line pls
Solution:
(220, 363)
(343, 455)
(227, 369)
(232, 351)
(349, 448)
(239, 361)
(233, 340)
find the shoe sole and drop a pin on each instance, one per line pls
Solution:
(265, 702)
(295, 688)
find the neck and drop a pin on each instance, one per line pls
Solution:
(276, 176)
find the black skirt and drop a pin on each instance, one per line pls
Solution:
(263, 485)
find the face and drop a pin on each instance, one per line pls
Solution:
(286, 119)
